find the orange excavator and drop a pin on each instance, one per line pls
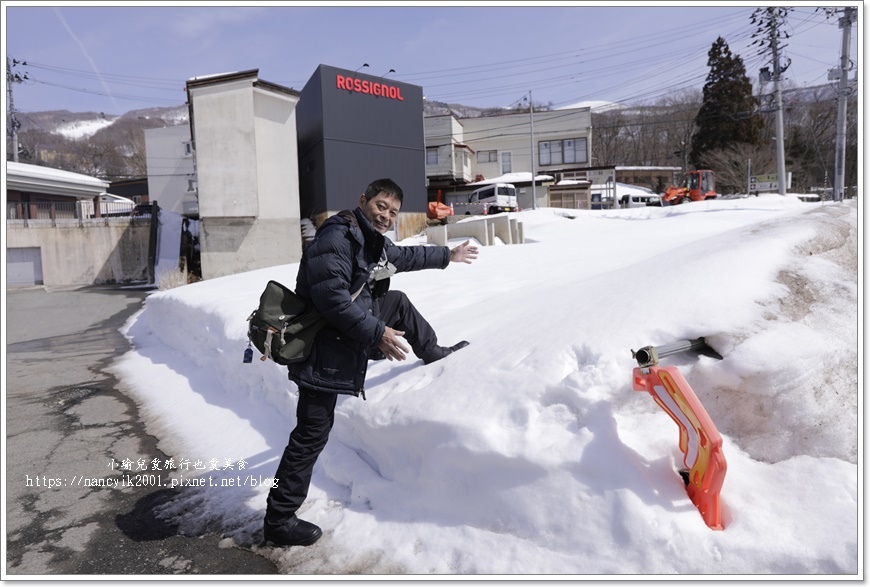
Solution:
(697, 186)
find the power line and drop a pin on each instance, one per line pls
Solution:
(520, 68)
(122, 79)
(579, 66)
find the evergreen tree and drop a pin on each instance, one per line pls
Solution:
(725, 117)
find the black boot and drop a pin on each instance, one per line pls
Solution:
(437, 353)
(292, 532)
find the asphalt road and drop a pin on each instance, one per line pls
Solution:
(65, 420)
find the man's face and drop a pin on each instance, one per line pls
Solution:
(381, 211)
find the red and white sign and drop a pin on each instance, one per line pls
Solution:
(353, 84)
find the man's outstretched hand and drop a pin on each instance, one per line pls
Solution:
(392, 346)
(464, 253)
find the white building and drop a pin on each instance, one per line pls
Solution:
(557, 143)
(171, 175)
(247, 172)
(448, 158)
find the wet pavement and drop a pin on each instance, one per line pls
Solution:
(66, 418)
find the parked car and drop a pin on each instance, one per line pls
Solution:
(639, 200)
(491, 199)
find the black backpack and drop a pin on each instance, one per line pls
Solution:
(283, 326)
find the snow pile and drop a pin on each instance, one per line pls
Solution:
(528, 452)
(168, 245)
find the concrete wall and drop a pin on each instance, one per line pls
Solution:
(485, 229)
(226, 151)
(235, 245)
(107, 251)
(276, 146)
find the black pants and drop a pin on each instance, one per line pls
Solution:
(315, 414)
(397, 311)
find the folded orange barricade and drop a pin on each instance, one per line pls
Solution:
(700, 442)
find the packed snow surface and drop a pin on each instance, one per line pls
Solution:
(529, 452)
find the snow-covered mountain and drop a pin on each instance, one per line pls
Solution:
(84, 125)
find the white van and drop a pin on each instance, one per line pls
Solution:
(639, 200)
(490, 199)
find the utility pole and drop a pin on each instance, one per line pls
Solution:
(13, 122)
(12, 79)
(532, 147)
(842, 101)
(777, 90)
(749, 176)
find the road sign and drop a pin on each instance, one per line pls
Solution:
(766, 183)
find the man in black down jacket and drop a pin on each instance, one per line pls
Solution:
(345, 272)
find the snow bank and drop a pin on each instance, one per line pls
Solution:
(528, 452)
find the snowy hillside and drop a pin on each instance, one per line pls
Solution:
(83, 125)
(84, 129)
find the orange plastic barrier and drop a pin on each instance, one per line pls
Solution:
(700, 442)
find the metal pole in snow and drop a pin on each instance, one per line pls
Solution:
(532, 145)
(842, 95)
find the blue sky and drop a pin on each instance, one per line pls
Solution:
(114, 59)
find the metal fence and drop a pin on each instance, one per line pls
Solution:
(55, 213)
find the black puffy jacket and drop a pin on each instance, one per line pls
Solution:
(334, 266)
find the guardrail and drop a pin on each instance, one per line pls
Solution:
(61, 213)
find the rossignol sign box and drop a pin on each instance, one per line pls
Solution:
(354, 128)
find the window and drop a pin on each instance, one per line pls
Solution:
(568, 151)
(482, 194)
(544, 153)
(188, 148)
(555, 150)
(505, 162)
(559, 152)
(431, 155)
(578, 151)
(487, 156)
(191, 184)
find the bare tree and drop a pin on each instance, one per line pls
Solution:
(136, 160)
(679, 125)
(608, 136)
(733, 165)
(658, 134)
